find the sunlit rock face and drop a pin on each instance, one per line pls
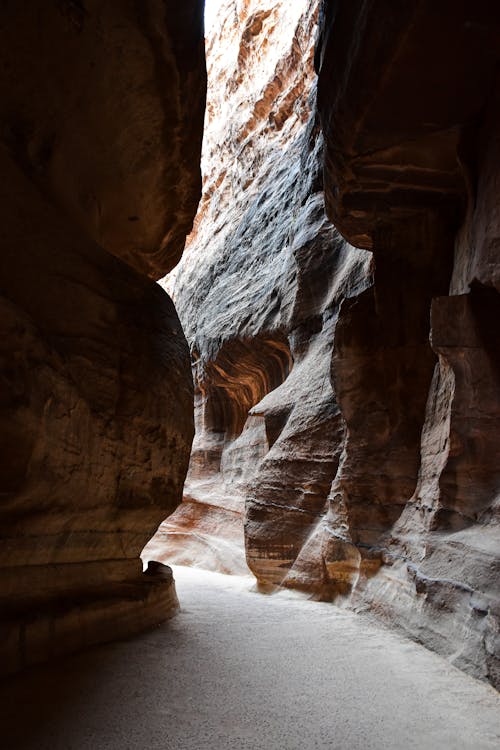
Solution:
(412, 166)
(258, 292)
(347, 403)
(101, 123)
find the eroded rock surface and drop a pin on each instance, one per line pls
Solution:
(411, 171)
(349, 400)
(258, 292)
(101, 123)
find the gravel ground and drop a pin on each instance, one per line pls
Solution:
(236, 669)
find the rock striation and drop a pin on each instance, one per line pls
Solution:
(347, 399)
(100, 135)
(258, 292)
(411, 163)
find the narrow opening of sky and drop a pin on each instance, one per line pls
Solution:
(211, 8)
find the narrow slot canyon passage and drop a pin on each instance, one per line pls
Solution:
(250, 375)
(235, 669)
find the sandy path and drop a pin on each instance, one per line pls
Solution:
(240, 670)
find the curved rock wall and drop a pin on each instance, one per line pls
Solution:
(367, 467)
(258, 293)
(100, 133)
(411, 166)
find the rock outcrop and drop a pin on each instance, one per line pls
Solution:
(101, 123)
(258, 292)
(411, 173)
(347, 401)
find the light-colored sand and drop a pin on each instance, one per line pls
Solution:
(238, 669)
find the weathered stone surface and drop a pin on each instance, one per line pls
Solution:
(394, 102)
(102, 105)
(411, 171)
(101, 119)
(367, 457)
(258, 292)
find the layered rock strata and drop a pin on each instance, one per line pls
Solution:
(411, 164)
(101, 122)
(367, 458)
(258, 292)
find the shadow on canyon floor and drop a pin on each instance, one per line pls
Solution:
(237, 669)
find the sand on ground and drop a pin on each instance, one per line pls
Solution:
(237, 669)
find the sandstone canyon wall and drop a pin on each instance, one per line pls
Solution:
(347, 400)
(100, 134)
(258, 292)
(411, 173)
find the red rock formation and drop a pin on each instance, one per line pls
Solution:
(101, 120)
(258, 293)
(411, 161)
(369, 465)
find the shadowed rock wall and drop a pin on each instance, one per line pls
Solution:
(100, 131)
(411, 172)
